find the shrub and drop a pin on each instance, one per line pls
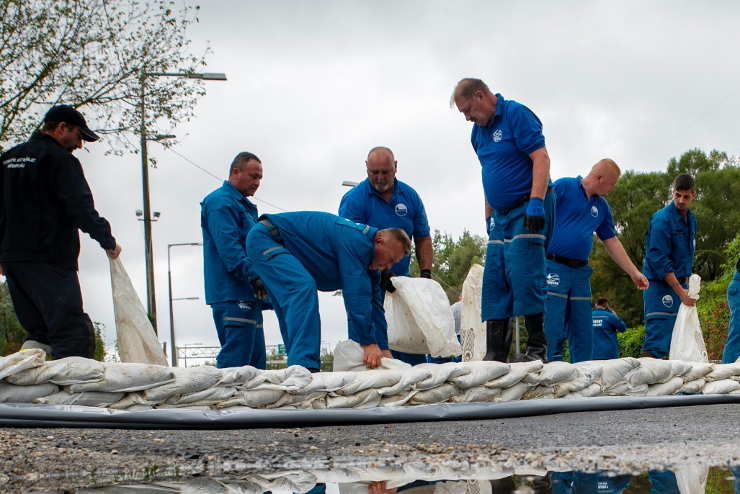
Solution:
(630, 342)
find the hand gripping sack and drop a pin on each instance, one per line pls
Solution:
(419, 318)
(137, 341)
(687, 342)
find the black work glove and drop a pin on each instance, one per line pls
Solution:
(426, 273)
(385, 280)
(534, 216)
(259, 288)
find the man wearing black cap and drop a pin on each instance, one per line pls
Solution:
(44, 200)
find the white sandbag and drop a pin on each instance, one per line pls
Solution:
(441, 373)
(419, 318)
(480, 372)
(587, 392)
(551, 374)
(514, 392)
(377, 378)
(137, 341)
(326, 381)
(236, 376)
(586, 374)
(62, 372)
(134, 401)
(440, 394)
(252, 398)
(187, 380)
(636, 390)
(348, 356)
(651, 371)
(536, 392)
(693, 387)
(619, 389)
(298, 401)
(472, 329)
(697, 371)
(679, 368)
(294, 377)
(477, 394)
(614, 371)
(409, 380)
(87, 399)
(687, 342)
(10, 393)
(721, 387)
(368, 398)
(20, 361)
(209, 396)
(397, 400)
(517, 372)
(723, 371)
(667, 388)
(128, 377)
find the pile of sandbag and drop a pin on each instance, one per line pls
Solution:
(26, 377)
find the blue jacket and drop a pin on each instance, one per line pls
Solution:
(337, 252)
(363, 204)
(670, 244)
(226, 217)
(606, 326)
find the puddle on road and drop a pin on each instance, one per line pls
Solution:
(691, 480)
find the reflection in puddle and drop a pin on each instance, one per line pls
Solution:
(689, 480)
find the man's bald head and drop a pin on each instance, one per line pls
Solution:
(381, 151)
(602, 178)
(381, 169)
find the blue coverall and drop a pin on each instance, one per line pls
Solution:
(606, 326)
(669, 248)
(226, 218)
(732, 346)
(405, 210)
(297, 253)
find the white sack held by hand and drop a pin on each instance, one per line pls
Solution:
(687, 342)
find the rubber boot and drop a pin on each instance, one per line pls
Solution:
(498, 340)
(536, 340)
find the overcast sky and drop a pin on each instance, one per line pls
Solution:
(313, 85)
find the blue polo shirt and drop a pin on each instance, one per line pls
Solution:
(670, 244)
(577, 218)
(226, 217)
(503, 148)
(606, 326)
(363, 204)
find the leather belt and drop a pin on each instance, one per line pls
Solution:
(571, 263)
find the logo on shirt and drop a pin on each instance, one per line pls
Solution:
(497, 135)
(553, 279)
(668, 301)
(401, 209)
(247, 306)
(594, 211)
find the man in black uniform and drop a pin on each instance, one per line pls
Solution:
(44, 199)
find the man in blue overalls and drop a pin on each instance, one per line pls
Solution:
(581, 211)
(383, 201)
(233, 289)
(297, 253)
(732, 347)
(606, 324)
(669, 258)
(507, 137)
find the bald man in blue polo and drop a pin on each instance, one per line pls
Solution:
(520, 207)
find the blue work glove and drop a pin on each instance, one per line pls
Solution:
(426, 273)
(488, 225)
(385, 280)
(534, 217)
(260, 292)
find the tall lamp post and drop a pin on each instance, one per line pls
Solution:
(173, 344)
(151, 303)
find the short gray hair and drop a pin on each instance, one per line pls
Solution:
(399, 236)
(241, 160)
(466, 88)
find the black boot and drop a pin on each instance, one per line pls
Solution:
(536, 340)
(498, 340)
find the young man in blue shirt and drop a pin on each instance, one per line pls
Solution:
(383, 201)
(669, 259)
(581, 211)
(520, 207)
(233, 289)
(300, 252)
(606, 325)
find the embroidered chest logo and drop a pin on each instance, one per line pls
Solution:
(401, 209)
(497, 135)
(553, 279)
(594, 211)
(668, 301)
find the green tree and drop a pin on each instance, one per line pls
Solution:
(95, 53)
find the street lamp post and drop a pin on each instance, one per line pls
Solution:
(151, 302)
(173, 344)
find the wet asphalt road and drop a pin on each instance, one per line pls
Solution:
(629, 441)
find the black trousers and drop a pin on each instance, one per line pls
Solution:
(48, 302)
